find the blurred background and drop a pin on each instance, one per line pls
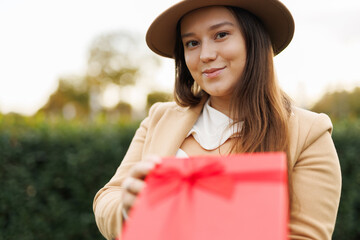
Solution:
(76, 78)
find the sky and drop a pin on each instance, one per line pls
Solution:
(42, 40)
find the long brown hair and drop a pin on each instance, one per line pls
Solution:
(257, 99)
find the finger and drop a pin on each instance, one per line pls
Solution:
(141, 170)
(125, 184)
(128, 201)
(133, 185)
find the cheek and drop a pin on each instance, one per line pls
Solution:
(234, 50)
(191, 62)
(237, 54)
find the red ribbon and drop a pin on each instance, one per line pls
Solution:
(207, 174)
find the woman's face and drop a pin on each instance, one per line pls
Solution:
(214, 49)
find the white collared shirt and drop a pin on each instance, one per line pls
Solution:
(212, 129)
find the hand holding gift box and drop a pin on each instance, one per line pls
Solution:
(234, 197)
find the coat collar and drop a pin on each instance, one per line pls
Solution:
(172, 128)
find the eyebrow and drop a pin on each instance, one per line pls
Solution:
(210, 28)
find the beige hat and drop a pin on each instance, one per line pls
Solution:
(274, 15)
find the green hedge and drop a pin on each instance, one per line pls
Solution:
(347, 141)
(50, 173)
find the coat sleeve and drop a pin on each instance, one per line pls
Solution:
(316, 184)
(107, 203)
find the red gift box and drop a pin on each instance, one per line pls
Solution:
(234, 197)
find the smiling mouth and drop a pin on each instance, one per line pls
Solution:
(213, 72)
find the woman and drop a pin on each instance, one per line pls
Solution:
(228, 101)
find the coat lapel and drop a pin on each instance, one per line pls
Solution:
(172, 128)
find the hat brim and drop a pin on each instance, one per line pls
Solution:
(275, 17)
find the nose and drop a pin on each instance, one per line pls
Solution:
(208, 52)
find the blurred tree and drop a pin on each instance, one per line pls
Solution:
(115, 60)
(69, 100)
(122, 110)
(340, 105)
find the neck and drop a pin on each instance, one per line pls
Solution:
(221, 104)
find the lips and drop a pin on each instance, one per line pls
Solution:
(212, 72)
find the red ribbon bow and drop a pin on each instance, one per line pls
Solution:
(204, 173)
(200, 173)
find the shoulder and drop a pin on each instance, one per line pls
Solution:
(306, 128)
(164, 110)
(160, 108)
(307, 120)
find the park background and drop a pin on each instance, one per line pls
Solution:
(76, 78)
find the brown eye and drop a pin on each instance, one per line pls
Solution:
(221, 35)
(191, 44)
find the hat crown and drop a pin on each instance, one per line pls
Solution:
(275, 17)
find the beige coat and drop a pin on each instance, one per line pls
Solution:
(314, 164)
